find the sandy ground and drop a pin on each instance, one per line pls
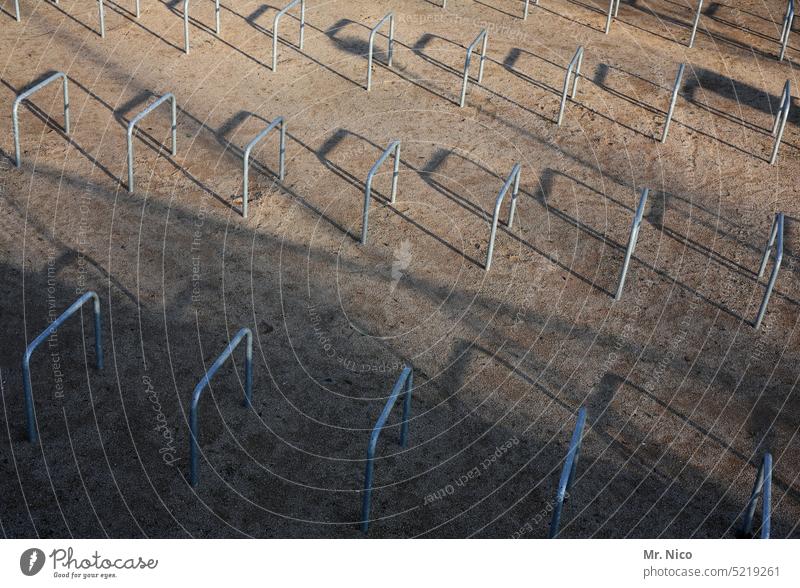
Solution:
(684, 396)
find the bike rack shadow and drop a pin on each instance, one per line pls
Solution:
(331, 143)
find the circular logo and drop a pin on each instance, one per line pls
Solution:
(31, 561)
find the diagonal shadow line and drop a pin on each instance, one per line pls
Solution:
(591, 232)
(749, 49)
(378, 196)
(131, 17)
(726, 116)
(500, 10)
(252, 22)
(572, 20)
(72, 18)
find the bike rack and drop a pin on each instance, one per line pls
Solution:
(568, 473)
(695, 23)
(16, 10)
(394, 146)
(776, 239)
(194, 447)
(675, 89)
(788, 20)
(140, 116)
(186, 23)
(513, 176)
(26, 359)
(482, 35)
(406, 380)
(574, 67)
(276, 22)
(762, 488)
(372, 34)
(613, 12)
(527, 6)
(281, 155)
(637, 222)
(780, 120)
(18, 100)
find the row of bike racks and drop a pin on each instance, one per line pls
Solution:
(403, 385)
(573, 70)
(613, 12)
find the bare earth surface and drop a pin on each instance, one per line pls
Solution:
(683, 395)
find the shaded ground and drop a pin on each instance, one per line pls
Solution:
(683, 395)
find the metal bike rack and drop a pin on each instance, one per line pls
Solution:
(780, 120)
(788, 20)
(574, 68)
(281, 156)
(276, 22)
(637, 222)
(695, 23)
(140, 116)
(405, 381)
(673, 99)
(16, 10)
(482, 35)
(372, 34)
(775, 239)
(762, 489)
(394, 146)
(514, 176)
(194, 446)
(103, 16)
(26, 359)
(613, 12)
(527, 7)
(567, 473)
(186, 23)
(27, 93)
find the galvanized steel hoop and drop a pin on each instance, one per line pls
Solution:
(27, 93)
(372, 34)
(483, 35)
(394, 147)
(276, 22)
(140, 116)
(514, 177)
(246, 159)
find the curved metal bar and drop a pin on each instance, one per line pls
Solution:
(637, 222)
(18, 100)
(405, 381)
(763, 489)
(394, 146)
(140, 116)
(673, 99)
(26, 359)
(613, 11)
(372, 34)
(695, 23)
(788, 21)
(514, 176)
(282, 157)
(186, 22)
(482, 35)
(276, 22)
(194, 447)
(776, 239)
(780, 120)
(567, 473)
(573, 71)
